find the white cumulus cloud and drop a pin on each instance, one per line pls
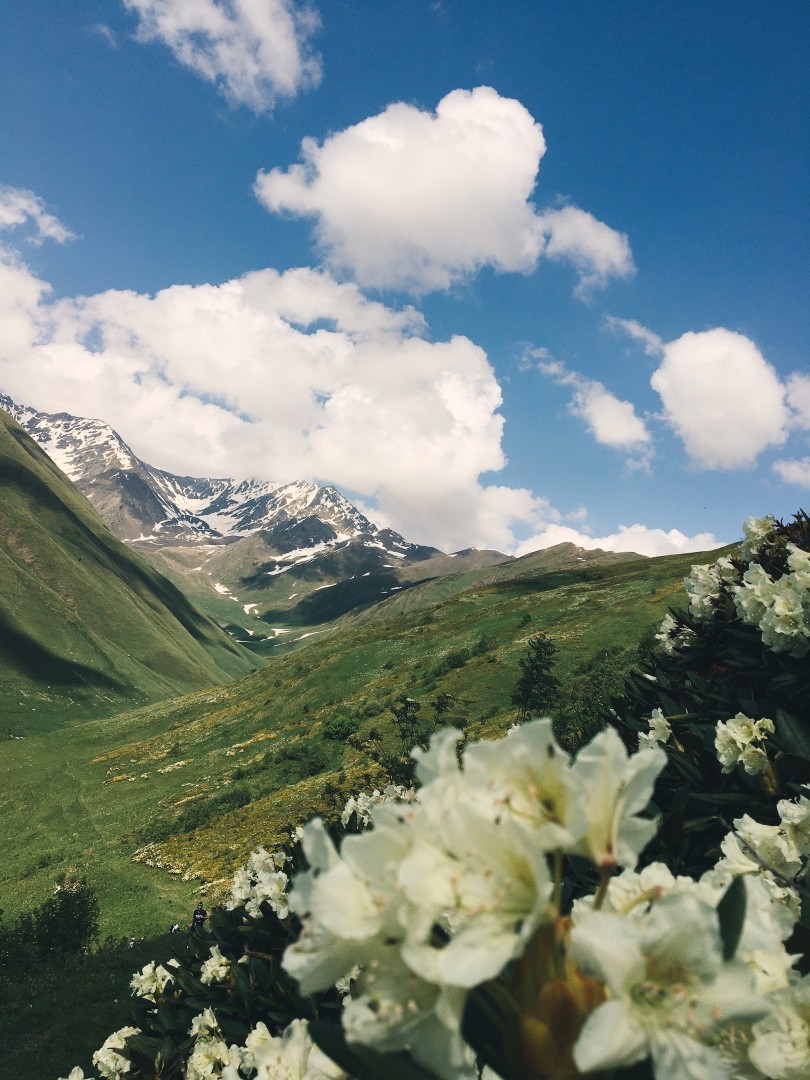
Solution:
(639, 538)
(254, 51)
(597, 251)
(722, 398)
(419, 200)
(283, 376)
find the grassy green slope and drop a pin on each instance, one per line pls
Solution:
(86, 626)
(136, 800)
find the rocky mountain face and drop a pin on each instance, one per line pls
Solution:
(142, 503)
(244, 549)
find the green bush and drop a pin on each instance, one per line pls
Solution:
(66, 923)
(339, 728)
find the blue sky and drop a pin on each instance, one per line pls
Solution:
(504, 273)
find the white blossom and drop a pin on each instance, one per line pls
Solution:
(755, 530)
(670, 989)
(152, 980)
(216, 968)
(739, 742)
(781, 1045)
(261, 879)
(659, 731)
(110, 1064)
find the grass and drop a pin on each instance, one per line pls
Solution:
(88, 801)
(55, 1014)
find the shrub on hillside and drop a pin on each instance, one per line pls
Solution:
(726, 692)
(65, 924)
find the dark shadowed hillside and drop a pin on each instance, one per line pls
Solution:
(87, 627)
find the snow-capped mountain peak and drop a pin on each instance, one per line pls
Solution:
(142, 503)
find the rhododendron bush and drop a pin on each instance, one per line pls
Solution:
(524, 913)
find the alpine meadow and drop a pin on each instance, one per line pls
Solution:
(404, 540)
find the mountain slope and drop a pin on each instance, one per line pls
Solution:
(87, 627)
(148, 791)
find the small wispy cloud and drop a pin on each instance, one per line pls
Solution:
(105, 32)
(254, 51)
(652, 343)
(19, 207)
(610, 420)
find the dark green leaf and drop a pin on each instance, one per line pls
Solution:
(491, 1026)
(359, 1061)
(793, 734)
(731, 915)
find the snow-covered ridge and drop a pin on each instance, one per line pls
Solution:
(148, 505)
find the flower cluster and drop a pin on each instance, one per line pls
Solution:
(110, 1064)
(445, 891)
(262, 879)
(216, 968)
(362, 804)
(263, 1056)
(774, 598)
(739, 741)
(659, 732)
(153, 979)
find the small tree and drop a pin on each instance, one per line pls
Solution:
(537, 689)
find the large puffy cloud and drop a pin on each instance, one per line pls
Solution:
(255, 51)
(418, 200)
(282, 376)
(610, 420)
(722, 398)
(639, 538)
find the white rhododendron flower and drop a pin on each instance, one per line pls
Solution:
(781, 1045)
(795, 818)
(110, 1064)
(671, 636)
(659, 732)
(615, 787)
(204, 1023)
(755, 530)
(705, 584)
(362, 804)
(443, 892)
(210, 1058)
(780, 608)
(152, 980)
(670, 989)
(289, 1056)
(261, 879)
(799, 564)
(739, 741)
(216, 968)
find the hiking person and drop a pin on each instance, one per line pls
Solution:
(198, 918)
